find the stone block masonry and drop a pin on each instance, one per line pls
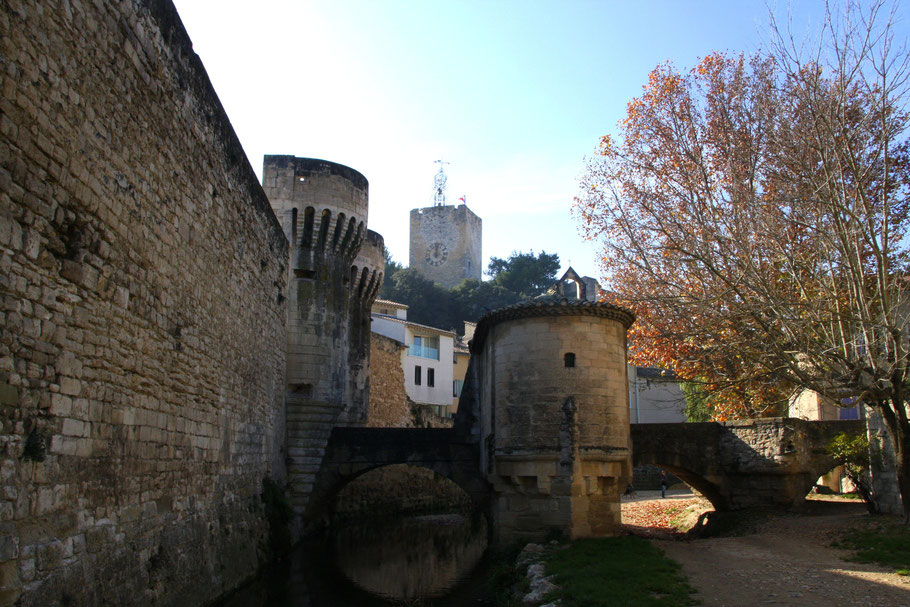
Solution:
(389, 403)
(143, 286)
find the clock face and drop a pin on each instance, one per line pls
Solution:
(436, 254)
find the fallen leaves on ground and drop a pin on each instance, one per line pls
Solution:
(658, 517)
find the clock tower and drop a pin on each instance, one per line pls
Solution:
(445, 239)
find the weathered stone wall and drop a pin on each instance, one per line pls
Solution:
(446, 244)
(334, 276)
(142, 275)
(389, 406)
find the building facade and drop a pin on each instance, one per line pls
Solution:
(655, 396)
(427, 359)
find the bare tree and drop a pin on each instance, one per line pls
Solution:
(754, 215)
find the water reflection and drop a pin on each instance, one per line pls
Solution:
(426, 560)
(419, 557)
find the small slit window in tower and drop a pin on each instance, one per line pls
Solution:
(569, 359)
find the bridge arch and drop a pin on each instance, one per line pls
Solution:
(688, 451)
(323, 503)
(710, 490)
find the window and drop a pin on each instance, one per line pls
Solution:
(431, 377)
(417, 376)
(425, 347)
(569, 359)
(456, 387)
(852, 413)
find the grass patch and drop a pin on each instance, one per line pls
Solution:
(617, 571)
(885, 542)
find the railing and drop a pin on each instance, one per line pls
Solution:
(424, 352)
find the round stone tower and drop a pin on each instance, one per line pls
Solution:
(554, 416)
(333, 281)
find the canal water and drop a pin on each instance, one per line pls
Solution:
(425, 561)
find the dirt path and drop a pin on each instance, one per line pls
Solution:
(787, 561)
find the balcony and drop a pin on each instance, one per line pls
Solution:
(424, 351)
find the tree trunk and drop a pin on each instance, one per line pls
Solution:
(902, 458)
(899, 432)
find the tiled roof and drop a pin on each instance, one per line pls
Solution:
(549, 305)
(414, 324)
(391, 304)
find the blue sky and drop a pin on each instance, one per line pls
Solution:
(513, 94)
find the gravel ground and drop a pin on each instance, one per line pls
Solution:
(788, 560)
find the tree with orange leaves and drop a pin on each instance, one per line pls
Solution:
(753, 213)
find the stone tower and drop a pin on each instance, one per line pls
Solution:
(445, 240)
(334, 275)
(551, 406)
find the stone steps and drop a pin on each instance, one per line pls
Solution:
(309, 426)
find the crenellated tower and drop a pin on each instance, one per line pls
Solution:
(334, 276)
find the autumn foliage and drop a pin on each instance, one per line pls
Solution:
(753, 214)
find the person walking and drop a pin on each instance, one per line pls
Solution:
(663, 483)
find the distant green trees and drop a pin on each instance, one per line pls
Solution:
(852, 452)
(524, 273)
(521, 276)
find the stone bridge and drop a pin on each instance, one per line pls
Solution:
(743, 463)
(736, 465)
(355, 451)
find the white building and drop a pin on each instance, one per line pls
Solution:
(427, 361)
(655, 396)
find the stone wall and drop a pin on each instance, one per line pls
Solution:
(389, 403)
(142, 281)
